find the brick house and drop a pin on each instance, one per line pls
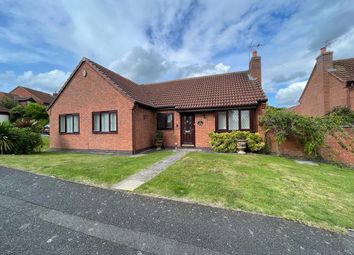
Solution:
(331, 84)
(24, 95)
(98, 109)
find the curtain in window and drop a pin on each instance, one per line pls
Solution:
(62, 124)
(245, 119)
(76, 123)
(221, 120)
(69, 123)
(233, 120)
(113, 121)
(96, 122)
(169, 120)
(105, 122)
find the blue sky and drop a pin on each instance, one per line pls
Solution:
(42, 41)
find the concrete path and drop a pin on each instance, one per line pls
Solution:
(135, 180)
(44, 215)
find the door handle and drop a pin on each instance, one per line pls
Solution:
(187, 132)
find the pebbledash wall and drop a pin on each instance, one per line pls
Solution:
(85, 95)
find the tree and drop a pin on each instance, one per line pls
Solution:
(17, 112)
(36, 111)
(8, 103)
(31, 111)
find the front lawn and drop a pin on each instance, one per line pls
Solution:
(103, 170)
(317, 195)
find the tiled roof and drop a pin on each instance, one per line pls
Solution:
(131, 89)
(344, 69)
(45, 97)
(222, 90)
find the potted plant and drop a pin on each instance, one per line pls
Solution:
(158, 140)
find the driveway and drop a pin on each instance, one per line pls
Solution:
(43, 215)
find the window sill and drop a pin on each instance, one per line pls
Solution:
(104, 133)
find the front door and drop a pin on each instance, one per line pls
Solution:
(187, 129)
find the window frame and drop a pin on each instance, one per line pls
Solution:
(109, 122)
(239, 120)
(165, 115)
(78, 124)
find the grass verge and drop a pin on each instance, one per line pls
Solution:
(320, 195)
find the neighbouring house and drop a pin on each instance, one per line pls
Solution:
(98, 109)
(24, 95)
(4, 114)
(331, 84)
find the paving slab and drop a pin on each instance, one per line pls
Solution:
(138, 179)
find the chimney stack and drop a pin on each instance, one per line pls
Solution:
(325, 59)
(255, 68)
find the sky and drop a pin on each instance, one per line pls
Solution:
(41, 41)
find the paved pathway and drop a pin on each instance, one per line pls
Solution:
(43, 215)
(135, 180)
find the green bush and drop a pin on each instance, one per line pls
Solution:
(31, 111)
(18, 140)
(8, 103)
(345, 114)
(27, 141)
(226, 142)
(6, 141)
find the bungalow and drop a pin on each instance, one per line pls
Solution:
(331, 84)
(24, 95)
(98, 109)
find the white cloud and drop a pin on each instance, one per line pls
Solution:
(290, 95)
(47, 81)
(184, 38)
(200, 70)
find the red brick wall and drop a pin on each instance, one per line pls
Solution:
(171, 137)
(312, 101)
(202, 132)
(85, 95)
(332, 150)
(324, 91)
(144, 128)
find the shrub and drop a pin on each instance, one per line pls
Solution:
(31, 111)
(6, 141)
(17, 113)
(18, 140)
(26, 140)
(226, 142)
(344, 113)
(8, 103)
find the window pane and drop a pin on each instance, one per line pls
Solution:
(233, 120)
(160, 121)
(62, 124)
(76, 123)
(245, 119)
(221, 120)
(69, 123)
(96, 122)
(169, 120)
(105, 122)
(113, 120)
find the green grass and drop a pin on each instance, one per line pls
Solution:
(316, 195)
(45, 143)
(103, 170)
